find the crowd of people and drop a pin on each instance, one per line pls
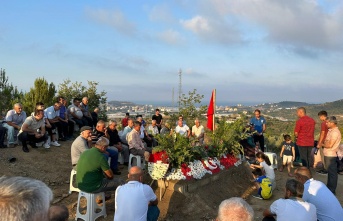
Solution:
(95, 153)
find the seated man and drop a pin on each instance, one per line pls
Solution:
(198, 132)
(93, 172)
(235, 209)
(136, 145)
(100, 131)
(67, 124)
(115, 142)
(3, 132)
(95, 116)
(13, 121)
(33, 130)
(148, 140)
(153, 129)
(85, 111)
(182, 129)
(292, 207)
(126, 130)
(76, 114)
(166, 130)
(135, 200)
(81, 144)
(317, 193)
(52, 113)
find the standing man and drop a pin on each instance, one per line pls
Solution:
(159, 119)
(136, 201)
(260, 126)
(124, 121)
(198, 132)
(331, 144)
(304, 132)
(85, 110)
(81, 144)
(323, 132)
(13, 121)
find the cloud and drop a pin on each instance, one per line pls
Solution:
(161, 13)
(210, 29)
(171, 36)
(115, 19)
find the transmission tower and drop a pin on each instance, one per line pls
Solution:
(180, 87)
(173, 98)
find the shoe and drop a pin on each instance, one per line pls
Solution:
(33, 145)
(39, 144)
(3, 146)
(11, 145)
(290, 175)
(55, 143)
(46, 146)
(116, 172)
(25, 149)
(257, 196)
(322, 172)
(340, 173)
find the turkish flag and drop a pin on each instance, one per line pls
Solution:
(210, 113)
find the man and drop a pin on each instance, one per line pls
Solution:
(198, 132)
(100, 131)
(115, 142)
(149, 141)
(23, 198)
(68, 125)
(33, 130)
(292, 207)
(125, 120)
(3, 132)
(260, 127)
(304, 132)
(126, 131)
(13, 121)
(58, 213)
(40, 106)
(182, 129)
(331, 145)
(158, 118)
(81, 144)
(135, 201)
(235, 209)
(136, 145)
(85, 110)
(153, 128)
(76, 113)
(323, 132)
(52, 113)
(93, 172)
(315, 192)
(95, 116)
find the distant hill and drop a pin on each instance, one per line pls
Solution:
(121, 103)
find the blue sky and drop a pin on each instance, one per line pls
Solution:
(249, 50)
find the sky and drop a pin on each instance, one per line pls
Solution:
(248, 50)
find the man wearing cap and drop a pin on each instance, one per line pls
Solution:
(331, 144)
(80, 144)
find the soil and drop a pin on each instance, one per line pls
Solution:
(53, 166)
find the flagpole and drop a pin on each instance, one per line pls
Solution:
(214, 110)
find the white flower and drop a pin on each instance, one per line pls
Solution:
(157, 170)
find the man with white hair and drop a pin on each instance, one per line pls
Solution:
(23, 198)
(85, 110)
(153, 129)
(13, 121)
(81, 144)
(235, 209)
(182, 129)
(198, 132)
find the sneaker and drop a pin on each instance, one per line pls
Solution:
(55, 143)
(46, 146)
(25, 149)
(11, 145)
(39, 144)
(257, 196)
(33, 145)
(322, 172)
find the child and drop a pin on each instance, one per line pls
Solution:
(262, 184)
(266, 166)
(287, 154)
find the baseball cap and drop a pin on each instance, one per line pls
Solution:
(85, 128)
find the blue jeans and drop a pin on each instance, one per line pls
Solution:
(114, 158)
(153, 213)
(11, 133)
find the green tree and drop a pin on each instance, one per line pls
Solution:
(9, 94)
(42, 91)
(190, 105)
(71, 90)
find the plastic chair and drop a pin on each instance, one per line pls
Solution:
(92, 206)
(72, 188)
(139, 162)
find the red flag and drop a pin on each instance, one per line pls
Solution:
(210, 113)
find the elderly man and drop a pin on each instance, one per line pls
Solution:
(33, 130)
(260, 126)
(198, 132)
(136, 201)
(81, 144)
(135, 143)
(23, 198)
(149, 141)
(331, 144)
(100, 131)
(52, 113)
(315, 192)
(304, 132)
(126, 131)
(158, 118)
(115, 142)
(182, 129)
(153, 129)
(292, 207)
(93, 172)
(76, 114)
(67, 124)
(85, 110)
(95, 116)
(13, 121)
(235, 209)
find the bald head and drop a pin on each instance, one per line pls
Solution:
(303, 174)
(135, 174)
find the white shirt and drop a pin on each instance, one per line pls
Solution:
(293, 210)
(142, 132)
(182, 130)
(153, 130)
(328, 207)
(268, 169)
(198, 130)
(132, 200)
(51, 113)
